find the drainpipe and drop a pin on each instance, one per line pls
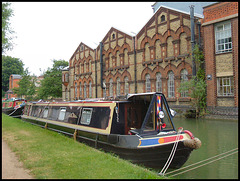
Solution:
(101, 65)
(135, 65)
(192, 38)
(96, 72)
(199, 34)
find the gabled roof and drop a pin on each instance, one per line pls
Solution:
(165, 7)
(116, 29)
(78, 48)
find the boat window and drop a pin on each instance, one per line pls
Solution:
(62, 113)
(45, 112)
(150, 124)
(34, 111)
(96, 117)
(86, 116)
(26, 109)
(166, 119)
(53, 115)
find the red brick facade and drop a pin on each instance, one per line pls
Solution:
(213, 15)
(13, 83)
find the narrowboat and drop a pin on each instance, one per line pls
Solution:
(138, 128)
(13, 107)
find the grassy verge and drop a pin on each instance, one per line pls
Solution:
(50, 155)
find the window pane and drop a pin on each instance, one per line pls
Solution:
(86, 116)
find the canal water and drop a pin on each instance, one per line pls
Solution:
(217, 136)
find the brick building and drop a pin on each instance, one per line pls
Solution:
(13, 83)
(158, 58)
(220, 32)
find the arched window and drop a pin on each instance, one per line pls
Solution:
(85, 68)
(66, 94)
(184, 78)
(148, 83)
(90, 89)
(66, 77)
(158, 82)
(171, 90)
(80, 91)
(111, 88)
(76, 90)
(125, 56)
(162, 18)
(117, 59)
(110, 60)
(90, 66)
(85, 90)
(80, 68)
(118, 87)
(126, 85)
(147, 52)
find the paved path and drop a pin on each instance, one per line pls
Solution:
(11, 167)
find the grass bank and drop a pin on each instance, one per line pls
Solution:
(50, 155)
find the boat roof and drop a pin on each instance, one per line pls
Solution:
(102, 100)
(142, 94)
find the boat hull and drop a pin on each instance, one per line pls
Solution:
(13, 112)
(125, 146)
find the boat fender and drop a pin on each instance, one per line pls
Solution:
(194, 143)
(189, 133)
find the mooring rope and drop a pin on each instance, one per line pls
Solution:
(13, 112)
(203, 161)
(167, 164)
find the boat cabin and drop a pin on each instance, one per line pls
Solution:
(141, 114)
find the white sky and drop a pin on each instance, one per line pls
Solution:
(53, 30)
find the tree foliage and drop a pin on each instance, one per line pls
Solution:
(197, 85)
(51, 85)
(27, 87)
(10, 66)
(7, 12)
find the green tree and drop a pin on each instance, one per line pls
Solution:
(10, 66)
(27, 87)
(7, 12)
(51, 85)
(197, 85)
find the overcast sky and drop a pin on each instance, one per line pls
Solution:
(45, 31)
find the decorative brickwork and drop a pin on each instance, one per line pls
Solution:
(220, 10)
(161, 46)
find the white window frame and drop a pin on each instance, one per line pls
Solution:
(158, 82)
(90, 89)
(171, 89)
(86, 116)
(45, 112)
(118, 87)
(111, 88)
(75, 89)
(223, 37)
(184, 78)
(62, 113)
(126, 85)
(148, 83)
(85, 90)
(225, 86)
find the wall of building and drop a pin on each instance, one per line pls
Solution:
(13, 83)
(224, 64)
(161, 46)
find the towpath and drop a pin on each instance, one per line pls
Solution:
(11, 167)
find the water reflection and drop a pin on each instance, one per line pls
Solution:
(217, 136)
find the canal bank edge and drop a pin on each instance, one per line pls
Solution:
(225, 113)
